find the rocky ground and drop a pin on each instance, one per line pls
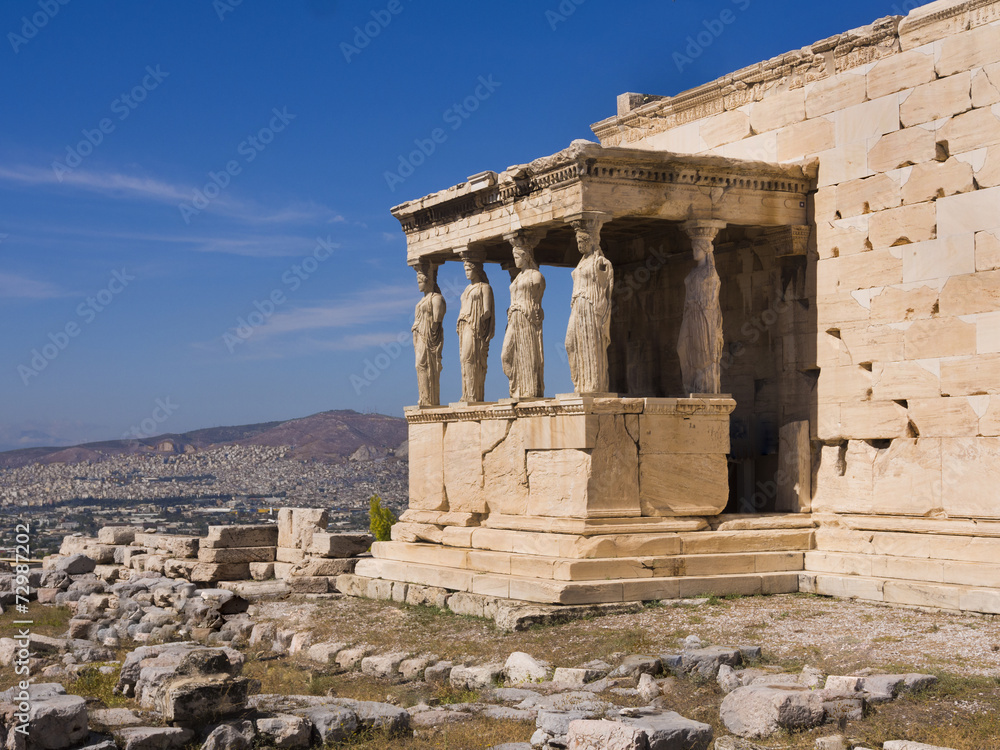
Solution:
(155, 662)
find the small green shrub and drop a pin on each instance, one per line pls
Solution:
(381, 519)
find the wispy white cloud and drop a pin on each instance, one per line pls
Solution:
(257, 245)
(15, 286)
(131, 187)
(375, 305)
(111, 183)
(331, 327)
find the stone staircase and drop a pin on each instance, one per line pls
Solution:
(740, 555)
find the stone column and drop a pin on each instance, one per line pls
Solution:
(476, 326)
(523, 355)
(589, 331)
(428, 334)
(699, 345)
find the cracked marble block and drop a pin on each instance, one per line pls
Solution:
(683, 445)
(599, 481)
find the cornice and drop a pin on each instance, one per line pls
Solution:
(585, 162)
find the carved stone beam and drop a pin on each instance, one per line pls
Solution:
(788, 241)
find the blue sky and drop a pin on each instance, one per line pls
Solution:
(176, 174)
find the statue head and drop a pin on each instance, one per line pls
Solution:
(473, 260)
(585, 239)
(424, 282)
(474, 271)
(587, 229)
(524, 258)
(427, 277)
(702, 249)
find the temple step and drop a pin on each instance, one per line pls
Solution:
(569, 569)
(949, 572)
(579, 592)
(605, 546)
(895, 591)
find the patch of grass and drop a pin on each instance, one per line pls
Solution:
(288, 678)
(887, 639)
(632, 641)
(47, 620)
(475, 734)
(956, 712)
(447, 695)
(96, 686)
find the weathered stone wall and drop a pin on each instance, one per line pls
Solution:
(902, 119)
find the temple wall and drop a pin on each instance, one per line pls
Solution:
(902, 354)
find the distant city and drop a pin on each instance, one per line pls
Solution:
(174, 486)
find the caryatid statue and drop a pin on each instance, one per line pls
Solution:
(522, 355)
(476, 327)
(589, 330)
(699, 345)
(428, 335)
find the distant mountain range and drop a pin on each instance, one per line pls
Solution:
(330, 436)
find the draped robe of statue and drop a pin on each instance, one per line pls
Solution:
(589, 332)
(428, 343)
(699, 345)
(476, 326)
(522, 355)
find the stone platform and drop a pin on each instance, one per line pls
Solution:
(582, 500)
(614, 566)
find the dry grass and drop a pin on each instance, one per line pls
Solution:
(47, 620)
(99, 688)
(837, 636)
(475, 734)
